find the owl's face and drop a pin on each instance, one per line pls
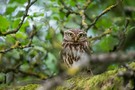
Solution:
(75, 35)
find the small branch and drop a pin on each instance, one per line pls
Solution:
(81, 13)
(83, 24)
(87, 4)
(102, 35)
(69, 10)
(101, 14)
(16, 70)
(65, 6)
(23, 18)
(121, 37)
(113, 57)
(17, 46)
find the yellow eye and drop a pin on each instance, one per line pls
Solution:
(69, 34)
(82, 35)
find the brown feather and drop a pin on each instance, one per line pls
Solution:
(72, 49)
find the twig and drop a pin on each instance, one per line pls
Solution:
(81, 13)
(17, 46)
(16, 70)
(83, 24)
(121, 37)
(86, 4)
(102, 35)
(23, 18)
(69, 10)
(113, 57)
(101, 14)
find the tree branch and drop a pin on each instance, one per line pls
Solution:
(21, 22)
(113, 57)
(108, 31)
(101, 14)
(104, 58)
(16, 70)
(121, 37)
(18, 45)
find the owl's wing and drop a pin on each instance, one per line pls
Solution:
(88, 50)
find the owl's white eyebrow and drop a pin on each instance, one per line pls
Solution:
(82, 32)
(68, 32)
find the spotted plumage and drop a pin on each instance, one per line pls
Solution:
(75, 44)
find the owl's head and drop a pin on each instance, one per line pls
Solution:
(75, 35)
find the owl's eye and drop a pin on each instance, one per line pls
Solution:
(69, 34)
(82, 35)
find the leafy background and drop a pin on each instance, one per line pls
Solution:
(43, 28)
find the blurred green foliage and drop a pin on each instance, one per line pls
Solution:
(50, 18)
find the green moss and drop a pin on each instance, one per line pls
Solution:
(27, 87)
(132, 65)
(11, 87)
(106, 81)
(101, 79)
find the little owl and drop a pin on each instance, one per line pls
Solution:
(75, 45)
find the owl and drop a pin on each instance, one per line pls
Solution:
(75, 45)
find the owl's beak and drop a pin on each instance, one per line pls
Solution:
(76, 39)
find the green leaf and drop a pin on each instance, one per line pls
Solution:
(11, 7)
(25, 66)
(104, 22)
(40, 49)
(21, 35)
(4, 24)
(2, 44)
(10, 10)
(62, 15)
(14, 54)
(59, 37)
(23, 28)
(108, 43)
(2, 75)
(51, 62)
(15, 23)
(50, 33)
(10, 40)
(72, 2)
(19, 14)
(18, 1)
(113, 66)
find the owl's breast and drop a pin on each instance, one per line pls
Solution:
(72, 53)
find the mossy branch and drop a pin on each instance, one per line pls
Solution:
(95, 60)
